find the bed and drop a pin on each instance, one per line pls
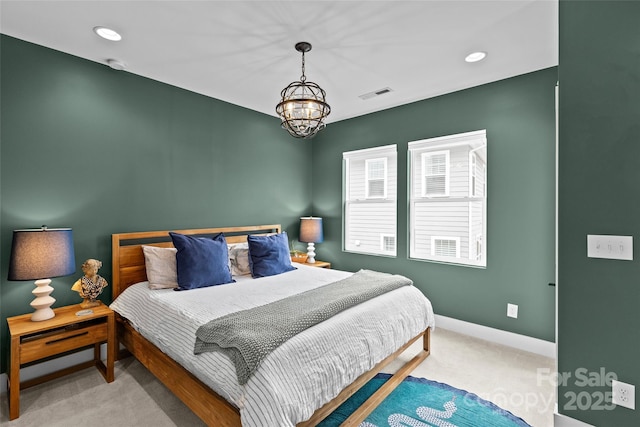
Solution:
(285, 390)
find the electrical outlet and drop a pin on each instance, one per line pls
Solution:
(623, 394)
(512, 311)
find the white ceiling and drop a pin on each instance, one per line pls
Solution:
(243, 52)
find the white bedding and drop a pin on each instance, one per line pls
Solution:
(302, 374)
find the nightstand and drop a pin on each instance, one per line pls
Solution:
(319, 264)
(34, 341)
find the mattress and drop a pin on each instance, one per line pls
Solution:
(305, 372)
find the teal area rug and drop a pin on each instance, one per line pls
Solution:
(418, 402)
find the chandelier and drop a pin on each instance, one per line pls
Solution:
(303, 107)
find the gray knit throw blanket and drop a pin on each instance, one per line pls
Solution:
(248, 336)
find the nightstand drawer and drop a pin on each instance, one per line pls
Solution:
(36, 347)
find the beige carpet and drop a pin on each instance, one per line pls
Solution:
(497, 373)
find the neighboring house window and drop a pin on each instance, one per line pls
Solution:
(370, 200)
(388, 243)
(479, 250)
(448, 200)
(478, 170)
(445, 246)
(376, 173)
(435, 174)
(472, 174)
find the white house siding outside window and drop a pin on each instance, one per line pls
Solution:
(370, 195)
(448, 199)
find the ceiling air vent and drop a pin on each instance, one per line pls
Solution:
(375, 93)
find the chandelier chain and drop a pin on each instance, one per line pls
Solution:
(303, 78)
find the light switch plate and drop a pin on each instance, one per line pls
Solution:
(610, 247)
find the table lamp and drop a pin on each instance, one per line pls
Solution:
(311, 233)
(39, 254)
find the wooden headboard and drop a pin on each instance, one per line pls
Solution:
(128, 258)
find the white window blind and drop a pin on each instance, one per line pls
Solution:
(370, 200)
(447, 199)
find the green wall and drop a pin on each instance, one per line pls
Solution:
(598, 299)
(103, 152)
(518, 114)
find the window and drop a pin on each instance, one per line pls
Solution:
(370, 188)
(376, 173)
(447, 199)
(388, 243)
(435, 174)
(479, 247)
(445, 247)
(472, 174)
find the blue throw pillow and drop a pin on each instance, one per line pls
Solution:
(201, 261)
(269, 255)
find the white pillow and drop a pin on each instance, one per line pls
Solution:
(161, 266)
(239, 259)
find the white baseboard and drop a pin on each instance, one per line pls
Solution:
(522, 342)
(560, 420)
(44, 368)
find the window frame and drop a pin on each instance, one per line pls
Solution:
(462, 213)
(358, 201)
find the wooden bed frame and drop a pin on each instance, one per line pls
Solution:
(129, 268)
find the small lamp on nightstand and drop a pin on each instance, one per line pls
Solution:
(40, 253)
(311, 233)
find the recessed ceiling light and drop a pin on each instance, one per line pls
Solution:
(107, 33)
(476, 56)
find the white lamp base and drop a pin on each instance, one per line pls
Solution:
(43, 301)
(311, 253)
